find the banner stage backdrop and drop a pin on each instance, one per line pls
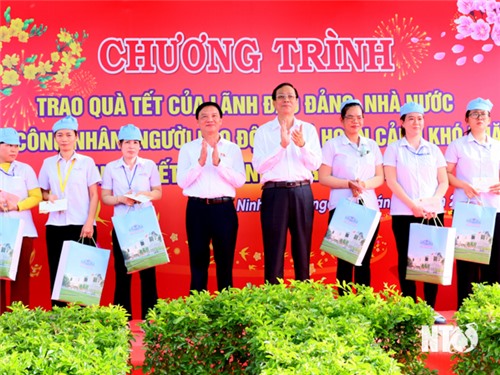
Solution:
(150, 63)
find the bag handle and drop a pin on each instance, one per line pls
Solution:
(435, 222)
(82, 240)
(358, 200)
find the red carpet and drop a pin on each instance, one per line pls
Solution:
(436, 361)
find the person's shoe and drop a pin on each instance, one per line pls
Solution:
(438, 318)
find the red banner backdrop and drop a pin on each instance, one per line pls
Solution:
(150, 63)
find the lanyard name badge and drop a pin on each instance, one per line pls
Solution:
(63, 202)
(129, 181)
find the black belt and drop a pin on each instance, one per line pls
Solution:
(285, 184)
(212, 200)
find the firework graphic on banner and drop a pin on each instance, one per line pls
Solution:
(29, 75)
(83, 83)
(411, 44)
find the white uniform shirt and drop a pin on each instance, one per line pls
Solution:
(83, 174)
(19, 180)
(120, 179)
(210, 181)
(348, 161)
(293, 163)
(475, 160)
(416, 171)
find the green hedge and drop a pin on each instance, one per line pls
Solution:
(71, 340)
(303, 328)
(481, 311)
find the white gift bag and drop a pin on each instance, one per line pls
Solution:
(430, 254)
(475, 225)
(140, 238)
(81, 274)
(350, 231)
(11, 240)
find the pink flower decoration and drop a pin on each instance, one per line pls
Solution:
(487, 47)
(443, 34)
(480, 31)
(465, 25)
(461, 61)
(457, 48)
(478, 58)
(481, 5)
(465, 6)
(492, 7)
(439, 56)
(493, 16)
(495, 34)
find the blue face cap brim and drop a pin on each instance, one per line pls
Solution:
(481, 104)
(411, 107)
(68, 123)
(9, 136)
(129, 133)
(350, 101)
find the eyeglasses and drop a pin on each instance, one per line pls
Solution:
(352, 118)
(478, 115)
(283, 97)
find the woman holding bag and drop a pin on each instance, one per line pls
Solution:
(19, 192)
(131, 175)
(352, 167)
(72, 177)
(415, 170)
(474, 170)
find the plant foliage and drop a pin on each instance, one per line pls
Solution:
(69, 340)
(482, 311)
(301, 328)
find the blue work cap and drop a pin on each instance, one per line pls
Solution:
(69, 122)
(350, 101)
(411, 107)
(480, 103)
(9, 136)
(129, 133)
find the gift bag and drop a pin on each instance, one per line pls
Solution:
(140, 239)
(11, 240)
(80, 274)
(350, 231)
(430, 254)
(475, 225)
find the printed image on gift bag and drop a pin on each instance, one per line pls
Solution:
(430, 254)
(475, 225)
(140, 239)
(350, 231)
(80, 274)
(11, 240)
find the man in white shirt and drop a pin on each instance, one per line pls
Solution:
(286, 151)
(209, 170)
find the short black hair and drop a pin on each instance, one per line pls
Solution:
(208, 104)
(284, 84)
(343, 111)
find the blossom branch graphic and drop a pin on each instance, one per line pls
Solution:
(15, 69)
(478, 20)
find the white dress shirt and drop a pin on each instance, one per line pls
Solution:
(350, 162)
(210, 181)
(19, 180)
(416, 171)
(120, 179)
(292, 163)
(83, 174)
(475, 160)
